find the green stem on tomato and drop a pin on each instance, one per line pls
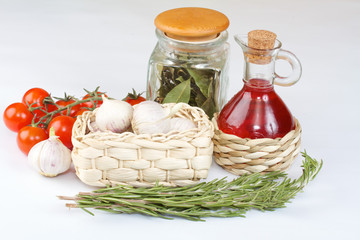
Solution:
(49, 115)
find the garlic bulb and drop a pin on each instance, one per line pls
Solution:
(181, 124)
(92, 126)
(114, 115)
(50, 157)
(151, 118)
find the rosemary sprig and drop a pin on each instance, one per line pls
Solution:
(217, 198)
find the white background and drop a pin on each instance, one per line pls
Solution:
(69, 45)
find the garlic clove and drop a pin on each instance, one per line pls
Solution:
(92, 126)
(150, 117)
(50, 157)
(34, 154)
(54, 159)
(114, 115)
(181, 124)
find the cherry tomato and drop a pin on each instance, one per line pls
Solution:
(63, 127)
(17, 116)
(29, 136)
(47, 108)
(35, 95)
(73, 110)
(50, 108)
(81, 111)
(35, 98)
(90, 104)
(135, 101)
(134, 98)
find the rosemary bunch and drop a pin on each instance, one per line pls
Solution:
(217, 198)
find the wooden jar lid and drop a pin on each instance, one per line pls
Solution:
(192, 23)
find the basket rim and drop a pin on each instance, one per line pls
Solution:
(206, 129)
(245, 155)
(232, 136)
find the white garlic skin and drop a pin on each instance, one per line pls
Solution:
(181, 124)
(150, 118)
(114, 116)
(50, 157)
(92, 126)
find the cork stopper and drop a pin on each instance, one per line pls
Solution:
(260, 40)
(192, 23)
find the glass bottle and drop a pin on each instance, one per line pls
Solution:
(188, 65)
(257, 111)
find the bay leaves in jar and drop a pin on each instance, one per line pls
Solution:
(209, 106)
(201, 80)
(180, 93)
(197, 87)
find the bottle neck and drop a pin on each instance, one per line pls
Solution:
(264, 72)
(259, 63)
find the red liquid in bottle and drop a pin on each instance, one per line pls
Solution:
(256, 112)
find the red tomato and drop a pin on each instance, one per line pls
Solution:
(63, 127)
(35, 98)
(73, 110)
(35, 95)
(17, 116)
(90, 104)
(134, 98)
(80, 112)
(135, 101)
(50, 108)
(29, 136)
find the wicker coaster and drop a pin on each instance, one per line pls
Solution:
(172, 159)
(244, 156)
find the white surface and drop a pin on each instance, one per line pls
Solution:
(70, 45)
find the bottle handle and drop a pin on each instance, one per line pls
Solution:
(295, 65)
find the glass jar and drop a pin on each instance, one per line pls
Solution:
(191, 70)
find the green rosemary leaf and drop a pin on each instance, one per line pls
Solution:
(92, 214)
(216, 198)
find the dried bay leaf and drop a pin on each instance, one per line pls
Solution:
(181, 72)
(209, 107)
(180, 79)
(202, 79)
(180, 93)
(190, 85)
(200, 99)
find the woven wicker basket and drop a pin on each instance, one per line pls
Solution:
(172, 159)
(244, 156)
